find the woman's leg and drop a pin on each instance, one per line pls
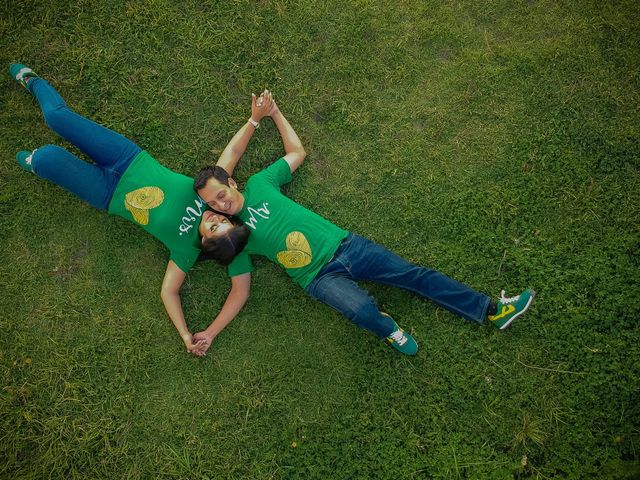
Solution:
(91, 183)
(366, 260)
(108, 149)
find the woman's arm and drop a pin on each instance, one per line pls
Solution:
(238, 296)
(170, 294)
(234, 150)
(293, 148)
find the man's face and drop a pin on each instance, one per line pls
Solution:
(222, 198)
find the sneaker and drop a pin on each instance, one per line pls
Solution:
(21, 73)
(511, 308)
(24, 160)
(401, 340)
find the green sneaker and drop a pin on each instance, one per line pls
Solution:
(401, 340)
(511, 308)
(21, 73)
(24, 160)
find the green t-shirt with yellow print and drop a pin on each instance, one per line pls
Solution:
(164, 204)
(295, 238)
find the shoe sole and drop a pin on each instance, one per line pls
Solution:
(22, 82)
(526, 307)
(393, 343)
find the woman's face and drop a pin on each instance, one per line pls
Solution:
(213, 225)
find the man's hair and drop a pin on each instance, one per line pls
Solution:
(224, 248)
(203, 176)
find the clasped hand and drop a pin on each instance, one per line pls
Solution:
(263, 106)
(197, 344)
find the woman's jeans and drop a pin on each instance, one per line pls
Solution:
(111, 151)
(358, 258)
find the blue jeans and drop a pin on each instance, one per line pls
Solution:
(358, 258)
(111, 152)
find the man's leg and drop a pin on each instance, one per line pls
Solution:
(333, 287)
(367, 260)
(345, 296)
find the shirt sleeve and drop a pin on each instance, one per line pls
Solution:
(278, 173)
(240, 265)
(184, 260)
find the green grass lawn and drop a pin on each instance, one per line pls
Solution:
(496, 141)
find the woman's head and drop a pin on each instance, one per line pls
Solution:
(222, 238)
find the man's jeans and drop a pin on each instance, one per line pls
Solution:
(111, 151)
(360, 259)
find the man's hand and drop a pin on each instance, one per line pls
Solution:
(197, 347)
(203, 341)
(261, 106)
(274, 109)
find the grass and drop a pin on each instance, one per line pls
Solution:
(494, 141)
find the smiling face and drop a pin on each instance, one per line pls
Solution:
(222, 198)
(213, 225)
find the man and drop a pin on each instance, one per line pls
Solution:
(322, 258)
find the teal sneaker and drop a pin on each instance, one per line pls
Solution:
(24, 160)
(401, 340)
(21, 74)
(511, 308)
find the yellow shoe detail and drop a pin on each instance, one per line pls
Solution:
(506, 310)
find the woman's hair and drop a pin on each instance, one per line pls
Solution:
(224, 248)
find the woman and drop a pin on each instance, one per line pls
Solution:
(127, 181)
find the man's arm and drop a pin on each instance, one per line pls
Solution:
(293, 148)
(238, 296)
(234, 150)
(170, 294)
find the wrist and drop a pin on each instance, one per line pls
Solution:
(255, 123)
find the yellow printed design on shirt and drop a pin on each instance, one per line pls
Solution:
(298, 252)
(140, 201)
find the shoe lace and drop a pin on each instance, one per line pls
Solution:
(504, 299)
(398, 337)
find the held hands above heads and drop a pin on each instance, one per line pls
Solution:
(261, 106)
(274, 109)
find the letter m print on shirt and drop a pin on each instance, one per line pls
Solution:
(256, 214)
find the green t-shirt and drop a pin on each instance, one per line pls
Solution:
(295, 238)
(164, 204)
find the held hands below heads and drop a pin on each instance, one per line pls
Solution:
(196, 346)
(203, 342)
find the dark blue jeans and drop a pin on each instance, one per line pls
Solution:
(111, 151)
(358, 258)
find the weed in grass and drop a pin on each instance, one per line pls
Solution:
(531, 430)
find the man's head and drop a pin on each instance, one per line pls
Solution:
(218, 190)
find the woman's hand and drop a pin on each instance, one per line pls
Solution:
(261, 106)
(203, 341)
(197, 347)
